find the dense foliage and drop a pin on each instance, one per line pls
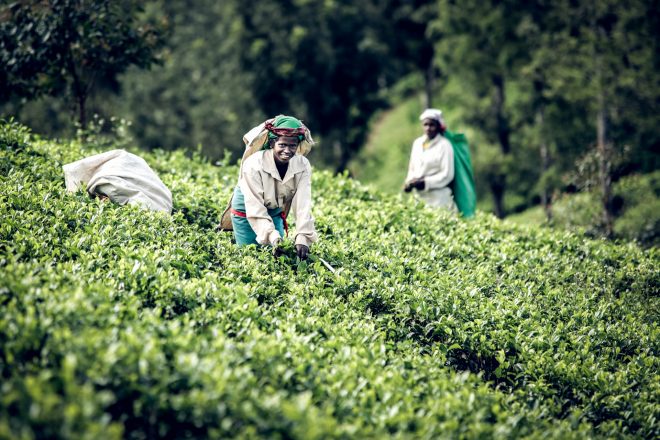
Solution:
(537, 85)
(638, 211)
(67, 47)
(636, 197)
(544, 83)
(140, 325)
(228, 64)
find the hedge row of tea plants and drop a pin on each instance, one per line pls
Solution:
(122, 323)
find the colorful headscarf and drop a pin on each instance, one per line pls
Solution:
(285, 126)
(258, 137)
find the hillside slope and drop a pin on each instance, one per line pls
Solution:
(383, 161)
(134, 324)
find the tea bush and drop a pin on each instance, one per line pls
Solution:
(637, 198)
(123, 323)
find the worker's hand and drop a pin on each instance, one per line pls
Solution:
(420, 184)
(302, 251)
(278, 251)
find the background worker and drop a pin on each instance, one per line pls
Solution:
(431, 167)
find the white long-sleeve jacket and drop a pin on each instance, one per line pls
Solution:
(264, 189)
(435, 164)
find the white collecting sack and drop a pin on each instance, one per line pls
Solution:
(122, 176)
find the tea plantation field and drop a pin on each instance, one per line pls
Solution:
(122, 323)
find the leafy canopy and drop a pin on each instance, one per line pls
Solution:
(67, 46)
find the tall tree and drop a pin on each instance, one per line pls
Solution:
(537, 27)
(57, 47)
(413, 41)
(201, 94)
(604, 59)
(326, 62)
(481, 45)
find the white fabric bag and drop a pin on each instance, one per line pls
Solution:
(122, 176)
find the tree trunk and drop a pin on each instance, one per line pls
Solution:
(82, 112)
(602, 146)
(343, 156)
(503, 130)
(546, 196)
(427, 54)
(429, 80)
(497, 186)
(79, 90)
(498, 183)
(604, 165)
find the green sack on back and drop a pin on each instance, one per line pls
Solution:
(465, 195)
